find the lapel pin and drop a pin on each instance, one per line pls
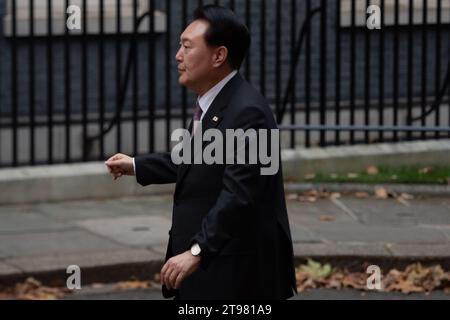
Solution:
(215, 119)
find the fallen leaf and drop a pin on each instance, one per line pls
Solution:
(405, 287)
(309, 196)
(292, 196)
(403, 201)
(356, 280)
(425, 170)
(381, 193)
(414, 278)
(372, 170)
(32, 289)
(134, 284)
(407, 196)
(335, 195)
(309, 176)
(327, 218)
(324, 194)
(316, 269)
(311, 193)
(361, 195)
(307, 199)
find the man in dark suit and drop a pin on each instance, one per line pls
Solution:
(230, 236)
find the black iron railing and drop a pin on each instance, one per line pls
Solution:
(68, 96)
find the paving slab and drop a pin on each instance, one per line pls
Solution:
(7, 269)
(305, 213)
(48, 237)
(80, 210)
(341, 232)
(45, 243)
(135, 231)
(392, 212)
(18, 221)
(302, 234)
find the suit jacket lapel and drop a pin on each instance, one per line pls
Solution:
(211, 119)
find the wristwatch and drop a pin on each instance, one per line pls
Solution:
(195, 249)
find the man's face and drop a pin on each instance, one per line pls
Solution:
(195, 58)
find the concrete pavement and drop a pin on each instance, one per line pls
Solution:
(117, 239)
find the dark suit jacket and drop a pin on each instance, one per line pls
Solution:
(236, 215)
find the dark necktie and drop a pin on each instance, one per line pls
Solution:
(197, 116)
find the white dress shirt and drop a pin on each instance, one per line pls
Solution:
(207, 99)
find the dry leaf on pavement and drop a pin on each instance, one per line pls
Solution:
(133, 284)
(415, 278)
(361, 195)
(292, 196)
(309, 176)
(335, 195)
(407, 196)
(326, 218)
(307, 199)
(32, 289)
(372, 170)
(381, 193)
(425, 170)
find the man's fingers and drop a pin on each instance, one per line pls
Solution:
(163, 272)
(171, 272)
(166, 278)
(173, 277)
(179, 279)
(117, 156)
(116, 170)
(114, 163)
(164, 269)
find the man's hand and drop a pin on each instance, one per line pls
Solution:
(177, 268)
(119, 165)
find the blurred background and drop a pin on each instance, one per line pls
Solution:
(80, 95)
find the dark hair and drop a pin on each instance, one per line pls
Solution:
(226, 30)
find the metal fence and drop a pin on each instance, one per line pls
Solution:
(68, 96)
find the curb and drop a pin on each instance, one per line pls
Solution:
(67, 182)
(340, 159)
(95, 266)
(147, 269)
(423, 189)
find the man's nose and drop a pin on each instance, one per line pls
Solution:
(178, 56)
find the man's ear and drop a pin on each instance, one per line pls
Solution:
(220, 56)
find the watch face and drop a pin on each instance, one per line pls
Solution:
(195, 250)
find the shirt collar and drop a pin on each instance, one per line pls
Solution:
(206, 100)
